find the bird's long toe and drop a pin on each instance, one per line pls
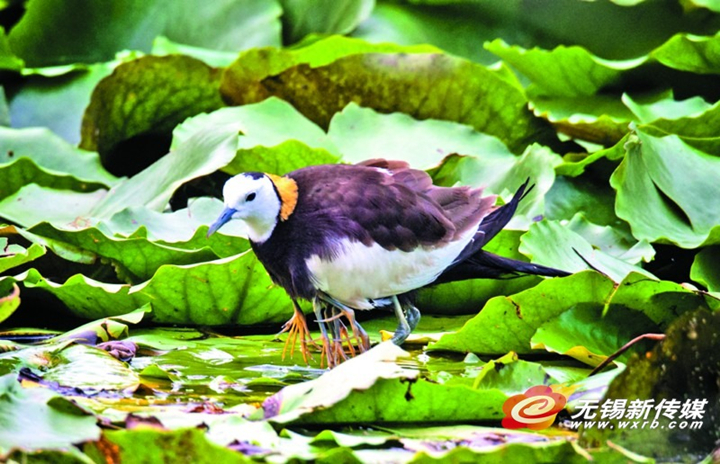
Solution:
(297, 329)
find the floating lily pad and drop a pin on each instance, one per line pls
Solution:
(56, 423)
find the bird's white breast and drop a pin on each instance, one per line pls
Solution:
(358, 273)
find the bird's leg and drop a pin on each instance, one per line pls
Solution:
(318, 310)
(403, 329)
(338, 353)
(413, 316)
(296, 328)
(362, 338)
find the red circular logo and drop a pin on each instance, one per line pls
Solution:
(535, 409)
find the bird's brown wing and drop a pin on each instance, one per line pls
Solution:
(388, 203)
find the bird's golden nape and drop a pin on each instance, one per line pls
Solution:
(359, 237)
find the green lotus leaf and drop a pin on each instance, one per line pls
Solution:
(37, 418)
(575, 246)
(301, 18)
(396, 394)
(320, 91)
(233, 290)
(593, 198)
(15, 255)
(705, 268)
(41, 157)
(9, 297)
(597, 119)
(362, 133)
(50, 34)
(210, 142)
(242, 81)
(658, 185)
(56, 97)
(564, 71)
(691, 53)
(148, 445)
(496, 175)
(146, 97)
(509, 323)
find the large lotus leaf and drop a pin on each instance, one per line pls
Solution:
(592, 198)
(148, 445)
(50, 33)
(468, 296)
(705, 269)
(146, 97)
(234, 290)
(242, 81)
(89, 369)
(9, 297)
(683, 368)
(424, 86)
(613, 241)
(184, 229)
(36, 418)
(500, 177)
(584, 333)
(362, 133)
(163, 46)
(8, 60)
(660, 185)
(575, 246)
(33, 204)
(105, 329)
(574, 165)
(709, 4)
(666, 107)
(692, 119)
(304, 17)
(598, 119)
(509, 323)
(565, 71)
(691, 53)
(210, 142)
(136, 258)
(57, 102)
(41, 157)
(388, 392)
(453, 28)
(15, 255)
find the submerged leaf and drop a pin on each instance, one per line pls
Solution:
(36, 418)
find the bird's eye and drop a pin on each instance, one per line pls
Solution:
(250, 196)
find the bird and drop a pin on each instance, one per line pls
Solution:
(351, 237)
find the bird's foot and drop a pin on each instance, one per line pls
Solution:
(403, 329)
(297, 328)
(362, 340)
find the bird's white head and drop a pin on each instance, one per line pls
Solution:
(253, 198)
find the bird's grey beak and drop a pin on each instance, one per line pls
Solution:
(225, 216)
